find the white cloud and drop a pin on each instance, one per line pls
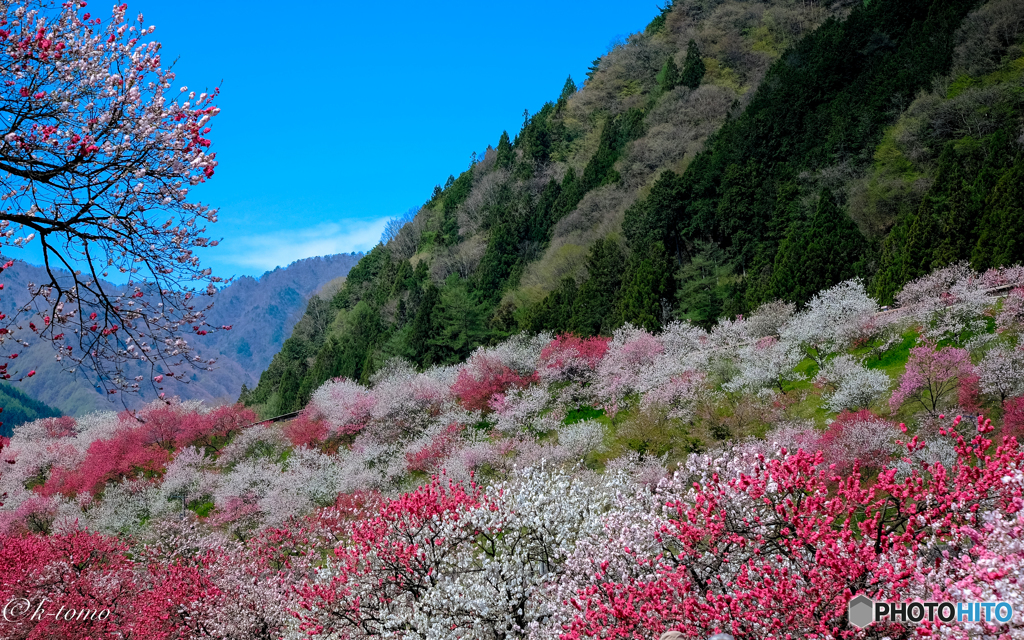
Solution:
(268, 251)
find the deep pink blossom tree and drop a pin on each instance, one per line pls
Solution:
(569, 357)
(483, 377)
(779, 552)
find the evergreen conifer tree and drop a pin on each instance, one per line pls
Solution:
(457, 323)
(422, 325)
(701, 291)
(647, 281)
(818, 253)
(568, 90)
(594, 310)
(693, 68)
(1002, 239)
(554, 312)
(669, 76)
(289, 391)
(505, 154)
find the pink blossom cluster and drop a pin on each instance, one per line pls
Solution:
(933, 378)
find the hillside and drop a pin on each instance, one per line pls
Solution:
(788, 456)
(262, 312)
(729, 155)
(19, 408)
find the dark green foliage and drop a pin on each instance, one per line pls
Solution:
(825, 102)
(554, 312)
(702, 288)
(817, 253)
(501, 255)
(568, 91)
(658, 24)
(518, 231)
(455, 193)
(653, 219)
(569, 194)
(590, 308)
(364, 278)
(594, 66)
(582, 413)
(356, 343)
(538, 135)
(1002, 240)
(617, 132)
(646, 283)
(670, 76)
(289, 391)
(693, 68)
(422, 327)
(19, 408)
(971, 212)
(458, 324)
(594, 310)
(505, 154)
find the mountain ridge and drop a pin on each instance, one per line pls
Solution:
(261, 310)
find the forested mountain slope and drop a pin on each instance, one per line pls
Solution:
(261, 311)
(731, 154)
(19, 408)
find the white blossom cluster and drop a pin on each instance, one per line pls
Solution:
(853, 386)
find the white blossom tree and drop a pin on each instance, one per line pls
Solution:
(851, 384)
(1001, 372)
(948, 302)
(831, 320)
(767, 364)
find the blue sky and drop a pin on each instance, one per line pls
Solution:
(338, 115)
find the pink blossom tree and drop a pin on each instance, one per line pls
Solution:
(932, 377)
(568, 357)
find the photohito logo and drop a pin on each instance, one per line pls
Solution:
(863, 611)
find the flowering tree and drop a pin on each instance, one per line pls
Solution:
(568, 357)
(768, 363)
(631, 351)
(483, 377)
(780, 551)
(98, 155)
(948, 302)
(831, 320)
(1011, 312)
(450, 562)
(858, 438)
(931, 377)
(1001, 372)
(852, 385)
